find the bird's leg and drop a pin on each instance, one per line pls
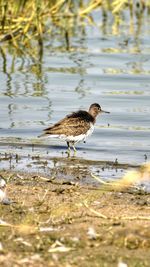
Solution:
(68, 151)
(73, 146)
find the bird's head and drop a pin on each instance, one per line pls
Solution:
(95, 109)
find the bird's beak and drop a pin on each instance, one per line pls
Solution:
(105, 111)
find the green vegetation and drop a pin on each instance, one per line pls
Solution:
(25, 24)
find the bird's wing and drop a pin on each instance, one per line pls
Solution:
(69, 126)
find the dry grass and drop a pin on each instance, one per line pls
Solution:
(24, 22)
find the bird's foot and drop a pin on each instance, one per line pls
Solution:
(68, 152)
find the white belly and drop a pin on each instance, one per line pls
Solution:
(78, 138)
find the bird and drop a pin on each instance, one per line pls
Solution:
(75, 127)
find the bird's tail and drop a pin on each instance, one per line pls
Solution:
(41, 135)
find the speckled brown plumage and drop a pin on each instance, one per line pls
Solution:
(72, 125)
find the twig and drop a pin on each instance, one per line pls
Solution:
(42, 199)
(98, 214)
(95, 212)
(98, 179)
(134, 218)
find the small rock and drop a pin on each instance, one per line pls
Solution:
(2, 183)
(92, 233)
(1, 247)
(3, 198)
(122, 264)
(2, 195)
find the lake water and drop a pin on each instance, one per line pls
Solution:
(110, 69)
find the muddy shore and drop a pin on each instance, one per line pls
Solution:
(57, 223)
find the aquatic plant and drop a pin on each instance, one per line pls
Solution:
(24, 22)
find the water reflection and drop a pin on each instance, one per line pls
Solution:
(81, 89)
(4, 69)
(100, 63)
